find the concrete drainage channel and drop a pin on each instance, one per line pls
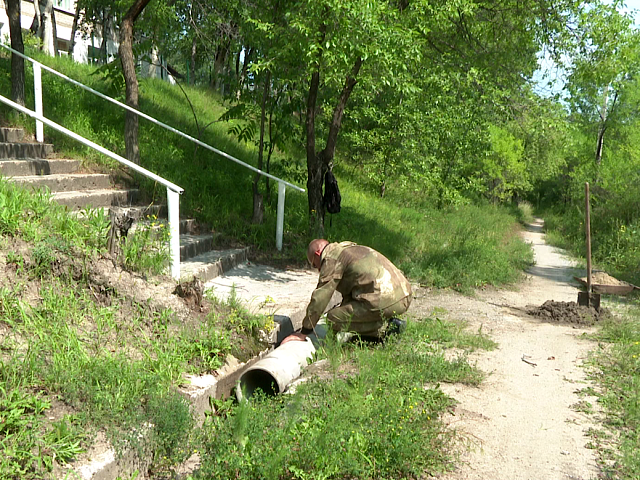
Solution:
(283, 294)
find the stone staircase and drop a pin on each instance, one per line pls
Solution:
(267, 290)
(29, 164)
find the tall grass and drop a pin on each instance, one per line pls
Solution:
(615, 369)
(463, 247)
(377, 415)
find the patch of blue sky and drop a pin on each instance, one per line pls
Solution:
(550, 78)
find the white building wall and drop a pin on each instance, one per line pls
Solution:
(64, 13)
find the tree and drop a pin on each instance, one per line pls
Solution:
(605, 60)
(130, 78)
(17, 62)
(44, 26)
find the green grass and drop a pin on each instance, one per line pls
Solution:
(615, 246)
(615, 369)
(379, 415)
(113, 361)
(462, 247)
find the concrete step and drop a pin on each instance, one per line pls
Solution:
(34, 166)
(96, 198)
(194, 245)
(188, 226)
(213, 263)
(139, 212)
(25, 150)
(66, 182)
(11, 135)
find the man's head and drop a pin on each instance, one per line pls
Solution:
(315, 250)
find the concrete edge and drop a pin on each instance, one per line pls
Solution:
(198, 390)
(197, 266)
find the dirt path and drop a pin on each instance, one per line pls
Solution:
(519, 423)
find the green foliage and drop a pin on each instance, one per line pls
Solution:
(147, 248)
(616, 371)
(28, 447)
(377, 416)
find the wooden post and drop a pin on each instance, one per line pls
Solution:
(587, 226)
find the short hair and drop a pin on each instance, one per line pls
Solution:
(314, 246)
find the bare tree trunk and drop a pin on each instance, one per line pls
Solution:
(258, 198)
(17, 63)
(219, 65)
(192, 67)
(318, 163)
(602, 127)
(46, 27)
(106, 28)
(37, 18)
(314, 162)
(74, 29)
(130, 78)
(54, 28)
(243, 75)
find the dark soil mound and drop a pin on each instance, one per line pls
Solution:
(568, 312)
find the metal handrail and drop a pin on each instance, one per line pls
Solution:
(153, 120)
(173, 191)
(37, 67)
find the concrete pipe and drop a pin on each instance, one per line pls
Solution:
(279, 368)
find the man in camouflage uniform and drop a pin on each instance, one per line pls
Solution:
(373, 289)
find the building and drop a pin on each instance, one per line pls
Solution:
(88, 47)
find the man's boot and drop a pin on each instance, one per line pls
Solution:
(396, 326)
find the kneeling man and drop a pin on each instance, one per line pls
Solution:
(373, 290)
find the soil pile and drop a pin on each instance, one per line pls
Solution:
(568, 312)
(602, 278)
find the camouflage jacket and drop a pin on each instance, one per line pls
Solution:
(358, 273)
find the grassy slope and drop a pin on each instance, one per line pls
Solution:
(464, 248)
(461, 248)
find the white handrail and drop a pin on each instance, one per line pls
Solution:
(37, 66)
(173, 191)
(153, 120)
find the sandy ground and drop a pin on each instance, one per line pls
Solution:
(519, 424)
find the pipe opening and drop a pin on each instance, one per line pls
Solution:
(257, 379)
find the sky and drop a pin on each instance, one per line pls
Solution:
(553, 83)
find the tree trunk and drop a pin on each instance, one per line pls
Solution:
(258, 199)
(219, 65)
(243, 75)
(318, 163)
(192, 66)
(46, 28)
(74, 29)
(314, 162)
(17, 63)
(131, 80)
(37, 17)
(105, 33)
(602, 127)
(272, 146)
(54, 28)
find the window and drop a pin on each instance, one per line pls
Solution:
(63, 4)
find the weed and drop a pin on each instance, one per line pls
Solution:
(147, 250)
(28, 454)
(616, 371)
(376, 417)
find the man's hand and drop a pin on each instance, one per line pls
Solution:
(295, 337)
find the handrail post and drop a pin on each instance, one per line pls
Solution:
(37, 90)
(280, 217)
(173, 205)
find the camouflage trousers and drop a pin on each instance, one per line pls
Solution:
(359, 317)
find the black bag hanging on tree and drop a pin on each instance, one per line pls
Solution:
(331, 197)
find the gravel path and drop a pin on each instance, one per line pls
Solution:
(519, 424)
